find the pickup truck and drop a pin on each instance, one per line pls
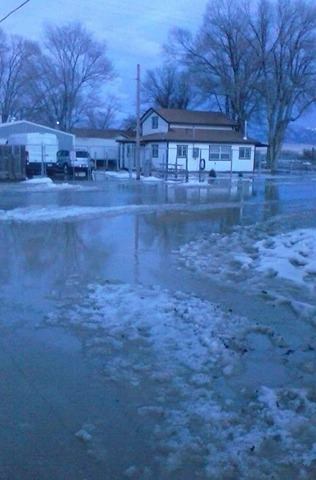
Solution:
(78, 162)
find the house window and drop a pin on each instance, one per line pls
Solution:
(129, 150)
(155, 150)
(220, 152)
(215, 152)
(226, 152)
(154, 122)
(195, 152)
(244, 153)
(182, 151)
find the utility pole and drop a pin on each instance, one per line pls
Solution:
(138, 123)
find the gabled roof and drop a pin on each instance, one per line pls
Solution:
(107, 133)
(193, 135)
(33, 124)
(191, 117)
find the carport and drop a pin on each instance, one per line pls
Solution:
(66, 140)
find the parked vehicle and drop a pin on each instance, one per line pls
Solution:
(77, 162)
(64, 161)
(40, 150)
(82, 161)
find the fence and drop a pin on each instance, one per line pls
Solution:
(12, 163)
(178, 162)
(105, 157)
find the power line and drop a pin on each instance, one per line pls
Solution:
(14, 10)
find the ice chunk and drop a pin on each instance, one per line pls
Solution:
(83, 435)
(131, 472)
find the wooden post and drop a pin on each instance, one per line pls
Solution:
(166, 163)
(130, 166)
(43, 160)
(186, 167)
(138, 124)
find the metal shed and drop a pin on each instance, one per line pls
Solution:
(66, 141)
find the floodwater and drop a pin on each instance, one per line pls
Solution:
(52, 385)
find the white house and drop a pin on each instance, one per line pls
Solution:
(193, 140)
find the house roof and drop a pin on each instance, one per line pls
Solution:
(191, 117)
(33, 124)
(107, 133)
(200, 136)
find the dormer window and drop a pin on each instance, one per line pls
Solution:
(154, 122)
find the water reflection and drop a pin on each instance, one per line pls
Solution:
(131, 248)
(272, 197)
(218, 190)
(168, 230)
(43, 257)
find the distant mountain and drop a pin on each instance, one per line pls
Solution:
(295, 134)
(298, 134)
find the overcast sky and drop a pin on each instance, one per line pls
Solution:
(134, 29)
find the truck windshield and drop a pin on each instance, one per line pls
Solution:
(82, 154)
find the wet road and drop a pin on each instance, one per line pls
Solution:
(50, 387)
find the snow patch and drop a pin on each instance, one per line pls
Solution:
(46, 184)
(186, 348)
(38, 181)
(277, 265)
(76, 213)
(84, 436)
(291, 256)
(124, 175)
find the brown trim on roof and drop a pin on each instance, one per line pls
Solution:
(249, 141)
(190, 117)
(199, 136)
(108, 133)
(147, 113)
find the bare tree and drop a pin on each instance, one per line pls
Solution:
(220, 57)
(129, 123)
(168, 87)
(71, 72)
(284, 40)
(16, 54)
(104, 116)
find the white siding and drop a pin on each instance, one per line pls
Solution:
(127, 155)
(200, 127)
(146, 125)
(158, 162)
(243, 165)
(219, 166)
(99, 148)
(170, 153)
(172, 156)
